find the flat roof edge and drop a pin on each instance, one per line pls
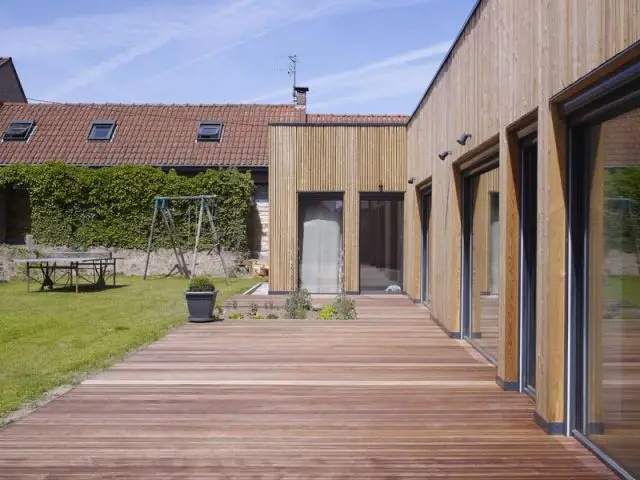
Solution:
(338, 124)
(446, 59)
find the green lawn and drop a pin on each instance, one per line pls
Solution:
(625, 289)
(48, 339)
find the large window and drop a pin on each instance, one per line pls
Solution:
(381, 223)
(321, 244)
(482, 259)
(605, 293)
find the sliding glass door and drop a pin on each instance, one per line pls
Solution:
(604, 256)
(481, 243)
(381, 237)
(321, 243)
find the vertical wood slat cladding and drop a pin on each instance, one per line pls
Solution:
(349, 159)
(513, 57)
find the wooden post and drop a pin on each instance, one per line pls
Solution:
(509, 321)
(551, 272)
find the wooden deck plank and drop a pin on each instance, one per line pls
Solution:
(385, 396)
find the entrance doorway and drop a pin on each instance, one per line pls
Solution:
(321, 243)
(381, 236)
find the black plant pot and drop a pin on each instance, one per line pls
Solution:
(200, 305)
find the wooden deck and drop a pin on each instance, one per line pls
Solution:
(385, 396)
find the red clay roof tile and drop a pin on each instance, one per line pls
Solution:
(162, 135)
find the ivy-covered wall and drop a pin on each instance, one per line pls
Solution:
(113, 206)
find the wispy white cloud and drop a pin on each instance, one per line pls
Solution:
(393, 76)
(277, 14)
(405, 80)
(117, 39)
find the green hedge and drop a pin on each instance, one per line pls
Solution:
(113, 206)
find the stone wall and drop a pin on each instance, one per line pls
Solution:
(130, 261)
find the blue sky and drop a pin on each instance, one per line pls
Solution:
(356, 56)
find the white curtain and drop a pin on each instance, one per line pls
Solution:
(321, 244)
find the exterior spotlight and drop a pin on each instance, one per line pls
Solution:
(444, 154)
(462, 140)
(411, 180)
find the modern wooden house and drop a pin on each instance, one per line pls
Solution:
(508, 203)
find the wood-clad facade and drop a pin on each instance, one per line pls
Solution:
(317, 158)
(512, 58)
(509, 81)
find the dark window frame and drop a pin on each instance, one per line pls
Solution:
(611, 97)
(28, 128)
(216, 138)
(96, 124)
(528, 155)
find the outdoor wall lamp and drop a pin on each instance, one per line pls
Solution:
(444, 154)
(462, 140)
(411, 180)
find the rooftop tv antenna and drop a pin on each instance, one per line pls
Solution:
(293, 64)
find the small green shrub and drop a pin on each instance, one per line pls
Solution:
(257, 316)
(298, 303)
(345, 307)
(236, 316)
(201, 284)
(272, 316)
(327, 312)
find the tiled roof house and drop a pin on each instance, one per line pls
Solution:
(158, 135)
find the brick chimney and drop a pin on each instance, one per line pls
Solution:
(300, 97)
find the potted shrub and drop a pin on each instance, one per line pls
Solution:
(201, 298)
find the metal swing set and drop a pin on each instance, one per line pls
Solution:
(206, 205)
